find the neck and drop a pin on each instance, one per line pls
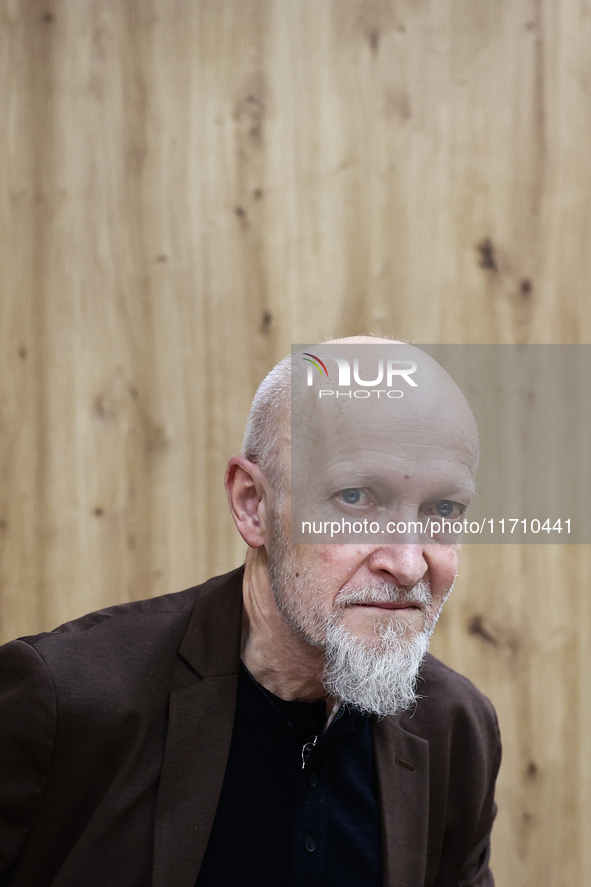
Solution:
(273, 652)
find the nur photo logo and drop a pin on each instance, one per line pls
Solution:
(387, 372)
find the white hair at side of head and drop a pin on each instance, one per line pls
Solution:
(268, 414)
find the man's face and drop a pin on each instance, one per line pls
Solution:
(413, 465)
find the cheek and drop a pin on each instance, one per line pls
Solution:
(328, 567)
(320, 560)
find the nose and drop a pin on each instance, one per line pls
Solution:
(405, 563)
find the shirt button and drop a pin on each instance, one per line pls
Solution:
(310, 845)
(313, 780)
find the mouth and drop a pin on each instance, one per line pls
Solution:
(389, 605)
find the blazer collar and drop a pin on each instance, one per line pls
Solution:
(200, 721)
(211, 644)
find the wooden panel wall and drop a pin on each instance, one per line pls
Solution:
(189, 187)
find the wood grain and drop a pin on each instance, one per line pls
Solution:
(190, 187)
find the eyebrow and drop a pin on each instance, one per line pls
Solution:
(471, 488)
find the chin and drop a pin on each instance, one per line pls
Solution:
(374, 673)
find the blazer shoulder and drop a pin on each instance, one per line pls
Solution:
(453, 712)
(119, 651)
(444, 686)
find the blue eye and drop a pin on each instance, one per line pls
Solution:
(445, 508)
(351, 496)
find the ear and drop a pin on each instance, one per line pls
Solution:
(247, 495)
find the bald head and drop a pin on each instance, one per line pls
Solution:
(395, 391)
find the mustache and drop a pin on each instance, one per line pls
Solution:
(383, 592)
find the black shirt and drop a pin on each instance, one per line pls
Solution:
(281, 824)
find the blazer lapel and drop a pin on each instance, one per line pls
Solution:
(201, 715)
(402, 764)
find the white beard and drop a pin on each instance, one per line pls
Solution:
(379, 679)
(376, 674)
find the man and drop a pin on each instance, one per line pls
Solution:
(265, 728)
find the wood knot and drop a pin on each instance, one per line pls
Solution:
(487, 259)
(373, 37)
(478, 629)
(525, 287)
(156, 439)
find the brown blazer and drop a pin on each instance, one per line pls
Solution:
(114, 735)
